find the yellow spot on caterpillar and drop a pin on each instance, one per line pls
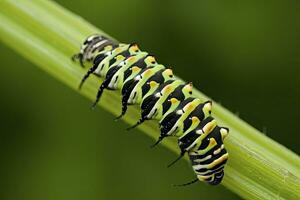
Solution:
(190, 107)
(148, 72)
(135, 69)
(195, 120)
(212, 142)
(169, 72)
(118, 50)
(174, 100)
(168, 88)
(204, 178)
(134, 48)
(153, 84)
(190, 87)
(151, 59)
(209, 126)
(218, 161)
(217, 151)
(108, 48)
(131, 59)
(224, 133)
(119, 57)
(208, 106)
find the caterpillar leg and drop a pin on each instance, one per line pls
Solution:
(158, 141)
(103, 86)
(75, 57)
(89, 72)
(100, 91)
(124, 109)
(97, 60)
(138, 123)
(125, 98)
(177, 159)
(79, 57)
(186, 184)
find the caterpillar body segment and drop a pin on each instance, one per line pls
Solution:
(180, 119)
(102, 60)
(115, 75)
(133, 90)
(193, 137)
(141, 65)
(118, 72)
(143, 81)
(181, 93)
(159, 77)
(114, 57)
(201, 112)
(151, 106)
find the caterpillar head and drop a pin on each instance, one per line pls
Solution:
(92, 38)
(87, 49)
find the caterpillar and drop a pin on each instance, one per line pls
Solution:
(142, 81)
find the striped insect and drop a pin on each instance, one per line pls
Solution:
(141, 80)
(137, 89)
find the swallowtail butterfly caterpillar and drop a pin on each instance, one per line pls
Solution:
(143, 81)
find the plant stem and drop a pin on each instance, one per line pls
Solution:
(47, 35)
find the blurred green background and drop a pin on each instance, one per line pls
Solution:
(243, 54)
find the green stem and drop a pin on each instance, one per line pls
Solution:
(47, 34)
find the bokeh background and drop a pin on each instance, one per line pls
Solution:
(243, 54)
